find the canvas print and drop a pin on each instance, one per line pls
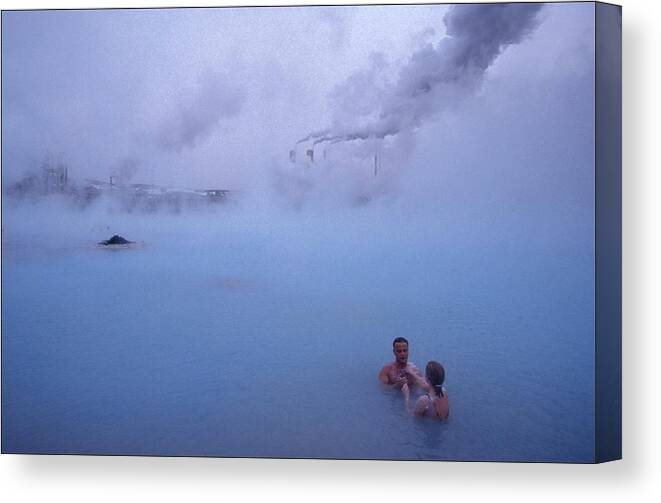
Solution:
(352, 232)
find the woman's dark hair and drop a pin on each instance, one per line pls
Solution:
(435, 375)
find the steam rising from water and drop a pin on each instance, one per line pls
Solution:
(198, 112)
(125, 169)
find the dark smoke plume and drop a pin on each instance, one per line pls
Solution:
(314, 135)
(435, 76)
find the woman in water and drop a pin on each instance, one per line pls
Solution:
(435, 403)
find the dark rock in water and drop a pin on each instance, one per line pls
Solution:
(115, 240)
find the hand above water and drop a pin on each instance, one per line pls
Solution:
(407, 395)
(400, 381)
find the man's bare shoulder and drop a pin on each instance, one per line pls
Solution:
(384, 373)
(388, 366)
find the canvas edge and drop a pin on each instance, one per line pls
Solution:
(608, 232)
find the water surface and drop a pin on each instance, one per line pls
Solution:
(261, 334)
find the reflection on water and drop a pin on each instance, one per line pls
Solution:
(429, 438)
(249, 337)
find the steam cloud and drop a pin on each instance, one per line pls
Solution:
(125, 169)
(434, 76)
(199, 113)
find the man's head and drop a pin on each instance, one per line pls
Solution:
(400, 347)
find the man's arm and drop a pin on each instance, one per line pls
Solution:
(418, 378)
(383, 375)
(414, 370)
(407, 396)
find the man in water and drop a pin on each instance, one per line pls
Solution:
(401, 374)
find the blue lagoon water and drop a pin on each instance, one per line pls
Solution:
(261, 334)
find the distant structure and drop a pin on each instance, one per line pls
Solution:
(309, 153)
(217, 195)
(51, 180)
(56, 179)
